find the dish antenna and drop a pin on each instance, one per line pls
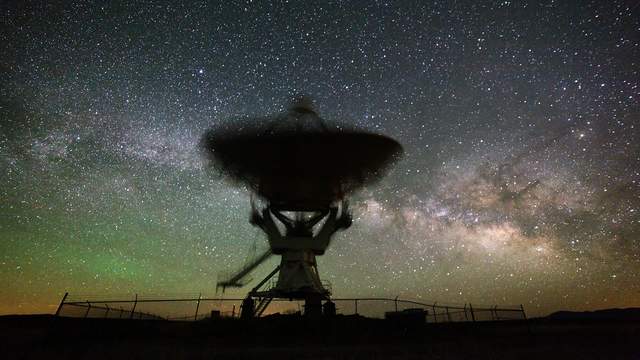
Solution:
(303, 169)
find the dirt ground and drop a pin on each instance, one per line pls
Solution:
(39, 337)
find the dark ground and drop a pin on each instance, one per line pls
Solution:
(40, 337)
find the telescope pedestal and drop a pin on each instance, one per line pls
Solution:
(299, 274)
(297, 279)
(299, 244)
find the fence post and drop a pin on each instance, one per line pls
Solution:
(133, 309)
(396, 303)
(448, 315)
(233, 311)
(435, 318)
(466, 317)
(524, 315)
(121, 312)
(195, 317)
(107, 313)
(473, 316)
(88, 309)
(356, 301)
(526, 320)
(61, 303)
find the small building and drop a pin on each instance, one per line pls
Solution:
(407, 317)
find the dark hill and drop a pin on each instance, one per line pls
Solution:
(629, 314)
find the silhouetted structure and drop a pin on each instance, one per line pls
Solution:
(303, 169)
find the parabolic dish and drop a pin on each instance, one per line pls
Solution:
(303, 164)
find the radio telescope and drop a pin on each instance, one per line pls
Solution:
(303, 169)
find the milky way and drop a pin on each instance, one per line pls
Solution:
(520, 183)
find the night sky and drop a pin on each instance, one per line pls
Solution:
(520, 182)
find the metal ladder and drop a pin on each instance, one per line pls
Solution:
(262, 305)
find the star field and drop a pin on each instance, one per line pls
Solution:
(520, 183)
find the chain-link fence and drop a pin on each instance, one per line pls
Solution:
(104, 311)
(200, 308)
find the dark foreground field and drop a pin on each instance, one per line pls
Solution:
(45, 337)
